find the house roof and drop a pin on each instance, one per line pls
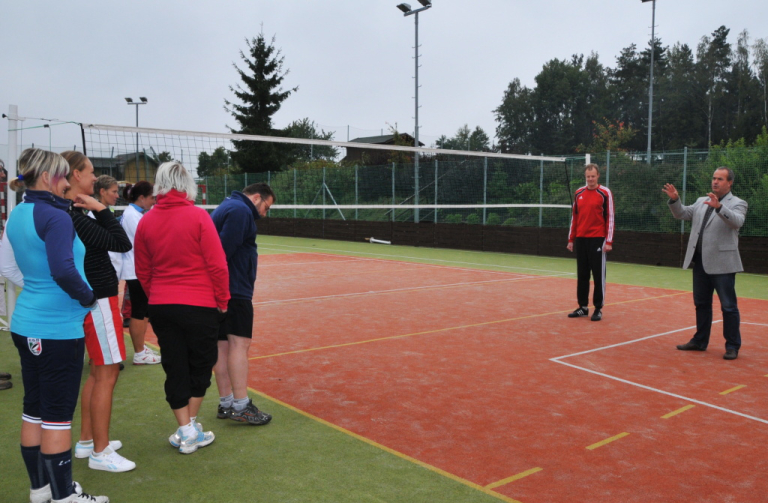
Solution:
(386, 139)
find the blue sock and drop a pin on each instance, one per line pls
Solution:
(33, 460)
(59, 469)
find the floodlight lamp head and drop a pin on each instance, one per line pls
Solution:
(426, 3)
(128, 100)
(404, 7)
(143, 99)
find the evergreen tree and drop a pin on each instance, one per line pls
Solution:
(260, 95)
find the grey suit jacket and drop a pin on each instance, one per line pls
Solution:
(720, 243)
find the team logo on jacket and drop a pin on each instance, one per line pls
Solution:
(35, 346)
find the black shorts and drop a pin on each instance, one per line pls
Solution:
(239, 319)
(139, 301)
(51, 371)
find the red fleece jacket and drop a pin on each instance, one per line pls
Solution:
(178, 254)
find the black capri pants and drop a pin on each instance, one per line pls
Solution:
(188, 337)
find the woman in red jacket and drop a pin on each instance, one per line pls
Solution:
(182, 268)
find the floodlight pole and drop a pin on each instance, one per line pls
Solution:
(143, 101)
(650, 85)
(427, 4)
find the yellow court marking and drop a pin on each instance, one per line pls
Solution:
(438, 330)
(387, 449)
(735, 388)
(606, 441)
(513, 478)
(678, 411)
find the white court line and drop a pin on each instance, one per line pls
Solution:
(559, 273)
(758, 324)
(649, 388)
(376, 292)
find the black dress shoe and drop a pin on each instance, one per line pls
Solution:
(730, 354)
(5, 376)
(690, 346)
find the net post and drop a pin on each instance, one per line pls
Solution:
(685, 179)
(435, 190)
(269, 179)
(541, 190)
(356, 187)
(12, 168)
(294, 192)
(485, 186)
(323, 190)
(393, 191)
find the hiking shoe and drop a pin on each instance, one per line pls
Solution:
(597, 315)
(250, 414)
(188, 445)
(579, 313)
(81, 497)
(223, 412)
(147, 359)
(110, 461)
(42, 495)
(83, 451)
(175, 439)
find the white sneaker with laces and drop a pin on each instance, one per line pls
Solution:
(150, 350)
(146, 359)
(83, 451)
(41, 495)
(81, 497)
(188, 445)
(175, 439)
(110, 461)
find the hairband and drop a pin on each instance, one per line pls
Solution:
(20, 177)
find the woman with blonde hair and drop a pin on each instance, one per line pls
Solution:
(100, 234)
(47, 324)
(182, 267)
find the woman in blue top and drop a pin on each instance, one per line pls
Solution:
(47, 324)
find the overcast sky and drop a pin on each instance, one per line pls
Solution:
(351, 59)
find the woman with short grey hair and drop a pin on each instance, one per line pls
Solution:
(182, 267)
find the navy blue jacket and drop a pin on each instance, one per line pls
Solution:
(235, 221)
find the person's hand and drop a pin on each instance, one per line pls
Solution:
(713, 201)
(670, 191)
(570, 247)
(608, 248)
(89, 203)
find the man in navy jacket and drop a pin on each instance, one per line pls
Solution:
(235, 221)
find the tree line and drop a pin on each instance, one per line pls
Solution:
(705, 96)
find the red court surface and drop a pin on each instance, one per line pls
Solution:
(481, 375)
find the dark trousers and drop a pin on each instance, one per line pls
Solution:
(590, 259)
(188, 337)
(704, 285)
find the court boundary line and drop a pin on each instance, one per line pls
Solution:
(384, 448)
(650, 388)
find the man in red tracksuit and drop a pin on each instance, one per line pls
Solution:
(591, 235)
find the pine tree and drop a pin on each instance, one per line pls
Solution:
(260, 95)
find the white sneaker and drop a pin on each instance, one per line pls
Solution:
(42, 495)
(150, 350)
(188, 445)
(81, 497)
(175, 439)
(147, 359)
(110, 461)
(83, 451)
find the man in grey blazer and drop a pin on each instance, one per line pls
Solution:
(713, 248)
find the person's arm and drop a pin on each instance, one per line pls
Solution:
(733, 214)
(142, 259)
(609, 221)
(58, 234)
(8, 266)
(215, 261)
(103, 233)
(679, 211)
(572, 228)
